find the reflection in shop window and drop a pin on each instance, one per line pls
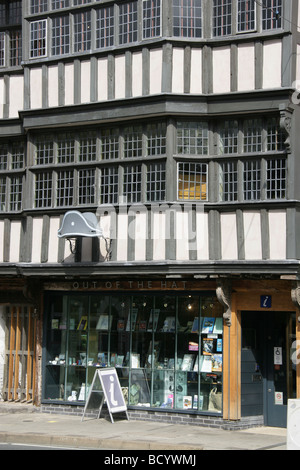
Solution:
(167, 349)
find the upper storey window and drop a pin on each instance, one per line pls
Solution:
(10, 33)
(246, 15)
(271, 14)
(128, 22)
(61, 27)
(187, 17)
(240, 16)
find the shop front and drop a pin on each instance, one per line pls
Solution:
(176, 346)
(166, 345)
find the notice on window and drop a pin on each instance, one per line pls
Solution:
(278, 356)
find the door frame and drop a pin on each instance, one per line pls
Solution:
(246, 295)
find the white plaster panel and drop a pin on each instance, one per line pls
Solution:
(178, 70)
(202, 235)
(252, 235)
(277, 231)
(298, 67)
(69, 84)
(53, 240)
(196, 71)
(36, 88)
(137, 74)
(16, 95)
(140, 236)
(182, 235)
(85, 81)
(53, 86)
(1, 240)
(272, 64)
(155, 71)
(122, 242)
(246, 67)
(159, 235)
(102, 79)
(221, 69)
(120, 77)
(14, 249)
(229, 237)
(37, 231)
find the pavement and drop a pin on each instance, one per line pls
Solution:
(25, 423)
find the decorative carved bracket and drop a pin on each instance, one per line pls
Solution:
(295, 294)
(223, 291)
(286, 125)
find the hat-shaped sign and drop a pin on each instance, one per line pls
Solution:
(75, 224)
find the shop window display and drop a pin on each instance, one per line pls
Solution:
(167, 349)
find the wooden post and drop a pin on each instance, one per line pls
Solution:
(232, 365)
(17, 352)
(11, 353)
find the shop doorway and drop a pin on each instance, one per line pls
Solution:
(268, 375)
(20, 354)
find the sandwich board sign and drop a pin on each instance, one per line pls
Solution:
(106, 386)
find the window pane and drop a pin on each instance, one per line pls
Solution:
(65, 185)
(222, 17)
(65, 149)
(60, 35)
(192, 138)
(187, 17)
(128, 23)
(109, 185)
(151, 18)
(2, 193)
(2, 49)
(105, 27)
(228, 139)
(252, 183)
(271, 14)
(86, 186)
(133, 142)
(88, 149)
(156, 134)
(132, 183)
(253, 135)
(156, 182)
(109, 144)
(38, 31)
(82, 31)
(44, 152)
(228, 181)
(15, 203)
(38, 6)
(246, 15)
(57, 4)
(15, 48)
(43, 189)
(192, 181)
(276, 179)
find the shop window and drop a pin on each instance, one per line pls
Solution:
(167, 349)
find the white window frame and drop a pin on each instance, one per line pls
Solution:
(32, 49)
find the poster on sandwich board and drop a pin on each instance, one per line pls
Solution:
(106, 386)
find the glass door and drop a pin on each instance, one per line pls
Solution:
(281, 372)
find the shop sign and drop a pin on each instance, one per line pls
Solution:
(106, 386)
(265, 301)
(278, 356)
(111, 285)
(278, 398)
